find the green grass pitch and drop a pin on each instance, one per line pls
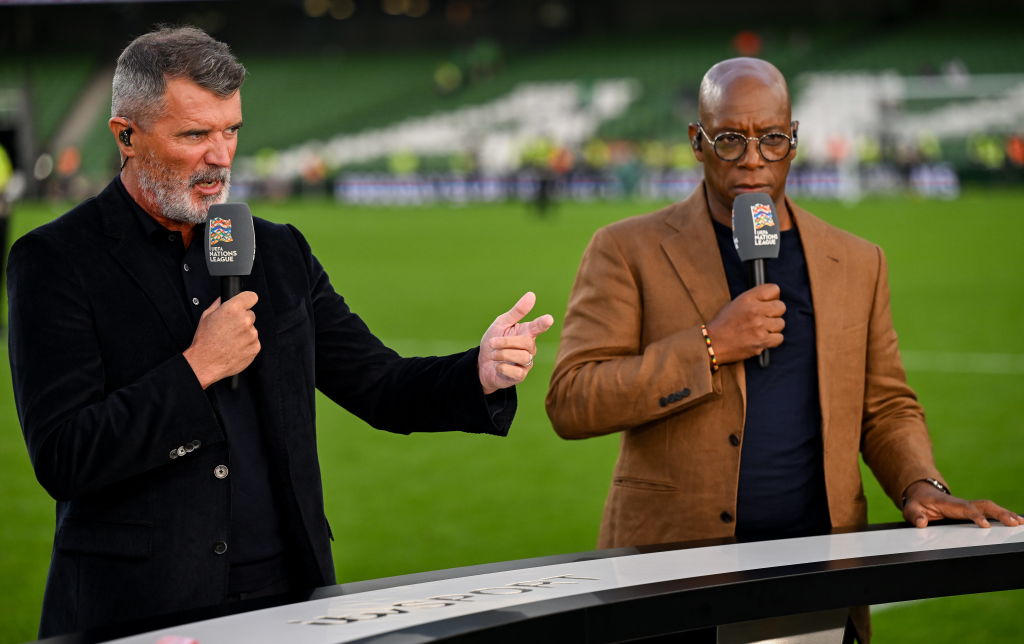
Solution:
(430, 280)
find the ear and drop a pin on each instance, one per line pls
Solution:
(117, 125)
(695, 142)
(796, 126)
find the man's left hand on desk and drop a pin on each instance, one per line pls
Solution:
(927, 503)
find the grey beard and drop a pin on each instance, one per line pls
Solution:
(172, 194)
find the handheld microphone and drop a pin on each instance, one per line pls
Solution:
(755, 233)
(230, 249)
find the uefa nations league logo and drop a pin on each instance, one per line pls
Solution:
(220, 231)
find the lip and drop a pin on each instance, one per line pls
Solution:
(744, 188)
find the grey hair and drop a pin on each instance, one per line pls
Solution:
(170, 52)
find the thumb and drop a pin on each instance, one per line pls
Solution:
(519, 311)
(210, 309)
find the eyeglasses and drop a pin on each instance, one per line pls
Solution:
(730, 146)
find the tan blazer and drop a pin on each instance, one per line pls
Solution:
(633, 360)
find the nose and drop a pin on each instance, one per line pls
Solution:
(219, 152)
(751, 155)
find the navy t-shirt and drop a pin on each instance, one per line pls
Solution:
(782, 481)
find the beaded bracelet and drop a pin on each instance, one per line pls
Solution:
(711, 349)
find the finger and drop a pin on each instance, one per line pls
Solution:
(775, 325)
(960, 509)
(995, 511)
(514, 374)
(520, 310)
(767, 292)
(524, 342)
(775, 309)
(773, 340)
(517, 356)
(538, 326)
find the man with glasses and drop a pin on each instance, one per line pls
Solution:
(661, 340)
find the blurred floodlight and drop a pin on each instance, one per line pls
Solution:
(316, 8)
(15, 187)
(417, 8)
(459, 12)
(394, 7)
(553, 15)
(342, 9)
(44, 166)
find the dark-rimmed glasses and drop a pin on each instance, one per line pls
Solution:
(730, 146)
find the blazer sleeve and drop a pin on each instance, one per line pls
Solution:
(80, 436)
(402, 395)
(894, 437)
(605, 379)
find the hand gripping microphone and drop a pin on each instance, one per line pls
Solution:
(755, 233)
(230, 249)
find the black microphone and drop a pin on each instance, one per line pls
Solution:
(755, 233)
(230, 249)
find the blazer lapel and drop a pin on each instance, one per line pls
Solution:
(826, 270)
(132, 252)
(693, 252)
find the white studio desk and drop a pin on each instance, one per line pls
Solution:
(617, 595)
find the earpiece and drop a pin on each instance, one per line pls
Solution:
(126, 137)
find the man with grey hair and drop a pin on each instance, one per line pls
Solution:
(175, 490)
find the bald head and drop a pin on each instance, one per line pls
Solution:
(725, 80)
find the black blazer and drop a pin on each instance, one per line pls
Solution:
(123, 437)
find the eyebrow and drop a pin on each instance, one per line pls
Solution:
(201, 130)
(771, 129)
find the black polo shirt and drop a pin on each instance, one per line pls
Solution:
(256, 542)
(782, 481)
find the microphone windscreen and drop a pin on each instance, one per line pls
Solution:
(755, 227)
(230, 240)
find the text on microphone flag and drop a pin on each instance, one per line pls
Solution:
(762, 215)
(220, 231)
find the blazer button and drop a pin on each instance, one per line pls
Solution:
(663, 401)
(196, 444)
(182, 451)
(174, 453)
(684, 392)
(221, 471)
(220, 548)
(734, 440)
(725, 517)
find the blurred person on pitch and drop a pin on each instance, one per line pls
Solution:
(661, 338)
(174, 490)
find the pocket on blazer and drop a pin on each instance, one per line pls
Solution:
(126, 540)
(644, 484)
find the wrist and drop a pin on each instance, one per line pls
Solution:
(926, 483)
(205, 380)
